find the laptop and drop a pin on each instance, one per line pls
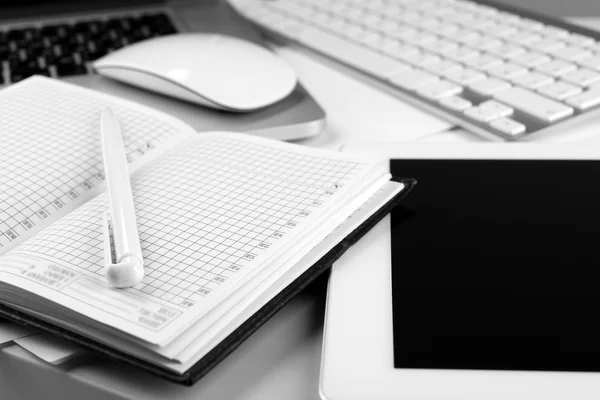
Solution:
(60, 38)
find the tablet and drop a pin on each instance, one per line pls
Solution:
(483, 285)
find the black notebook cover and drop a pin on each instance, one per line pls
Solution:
(237, 337)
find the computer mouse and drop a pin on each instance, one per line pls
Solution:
(214, 70)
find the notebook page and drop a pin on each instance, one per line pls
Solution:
(209, 212)
(198, 349)
(50, 157)
(195, 343)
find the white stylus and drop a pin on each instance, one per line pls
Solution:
(128, 267)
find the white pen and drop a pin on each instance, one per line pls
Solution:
(128, 268)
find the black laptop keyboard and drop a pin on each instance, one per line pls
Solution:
(60, 50)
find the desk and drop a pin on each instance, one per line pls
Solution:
(282, 359)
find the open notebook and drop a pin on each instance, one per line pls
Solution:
(231, 226)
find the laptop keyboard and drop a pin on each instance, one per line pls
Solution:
(497, 72)
(60, 50)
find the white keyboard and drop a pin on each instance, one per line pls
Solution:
(493, 70)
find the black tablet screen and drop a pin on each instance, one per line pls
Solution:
(496, 265)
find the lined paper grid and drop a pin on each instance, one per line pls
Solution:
(50, 153)
(207, 211)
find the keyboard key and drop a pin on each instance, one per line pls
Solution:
(522, 37)
(488, 87)
(547, 45)
(372, 62)
(590, 62)
(400, 51)
(500, 109)
(530, 25)
(440, 46)
(571, 53)
(556, 67)
(443, 67)
(464, 36)
(16, 34)
(465, 76)
(560, 90)
(412, 79)
(554, 32)
(580, 40)
(447, 30)
(531, 59)
(371, 39)
(485, 43)
(502, 30)
(582, 77)
(481, 114)
(507, 50)
(438, 90)
(19, 74)
(532, 80)
(507, 70)
(399, 32)
(508, 126)
(483, 62)
(421, 59)
(483, 24)
(462, 54)
(585, 100)
(533, 104)
(67, 66)
(422, 39)
(455, 103)
(23, 63)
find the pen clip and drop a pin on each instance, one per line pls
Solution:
(124, 271)
(108, 239)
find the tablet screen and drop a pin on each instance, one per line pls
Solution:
(499, 267)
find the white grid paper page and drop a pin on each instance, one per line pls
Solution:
(208, 212)
(50, 157)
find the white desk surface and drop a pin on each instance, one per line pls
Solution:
(282, 359)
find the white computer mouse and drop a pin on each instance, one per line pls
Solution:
(213, 70)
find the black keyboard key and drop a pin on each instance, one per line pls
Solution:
(23, 64)
(129, 24)
(65, 60)
(116, 24)
(84, 55)
(4, 49)
(97, 26)
(33, 47)
(165, 30)
(94, 52)
(49, 31)
(155, 19)
(90, 26)
(69, 70)
(17, 34)
(57, 33)
(67, 65)
(14, 58)
(68, 47)
(60, 30)
(23, 73)
(48, 56)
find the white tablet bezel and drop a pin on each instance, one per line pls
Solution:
(357, 356)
